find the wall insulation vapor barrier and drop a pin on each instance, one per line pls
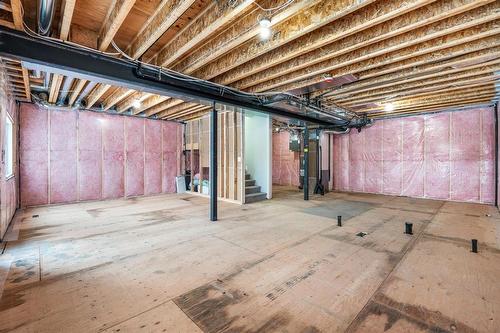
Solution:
(448, 156)
(69, 156)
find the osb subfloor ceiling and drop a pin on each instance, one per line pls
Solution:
(371, 56)
(156, 265)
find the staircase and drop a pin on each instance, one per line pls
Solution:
(252, 191)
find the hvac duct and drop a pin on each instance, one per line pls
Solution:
(45, 16)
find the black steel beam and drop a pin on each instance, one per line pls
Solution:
(495, 111)
(213, 163)
(95, 66)
(306, 163)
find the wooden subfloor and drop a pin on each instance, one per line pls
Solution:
(157, 265)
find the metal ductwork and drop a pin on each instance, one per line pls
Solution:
(45, 15)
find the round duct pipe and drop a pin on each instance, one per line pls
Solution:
(45, 16)
(346, 131)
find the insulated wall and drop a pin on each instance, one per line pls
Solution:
(448, 156)
(8, 185)
(285, 162)
(69, 156)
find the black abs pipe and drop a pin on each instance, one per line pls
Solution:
(66, 59)
(306, 163)
(474, 245)
(339, 220)
(409, 228)
(329, 160)
(213, 164)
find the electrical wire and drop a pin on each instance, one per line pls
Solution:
(286, 4)
(260, 97)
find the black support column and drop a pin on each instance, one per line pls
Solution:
(306, 163)
(213, 164)
(496, 110)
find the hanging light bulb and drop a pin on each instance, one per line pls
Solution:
(265, 28)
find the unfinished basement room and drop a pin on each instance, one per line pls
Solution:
(292, 166)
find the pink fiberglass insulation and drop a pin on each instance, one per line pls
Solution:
(76, 156)
(170, 149)
(134, 129)
(448, 156)
(63, 162)
(285, 162)
(34, 155)
(153, 157)
(113, 140)
(90, 156)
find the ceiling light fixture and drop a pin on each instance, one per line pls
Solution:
(265, 28)
(389, 107)
(136, 104)
(328, 78)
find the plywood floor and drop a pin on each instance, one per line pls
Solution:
(157, 265)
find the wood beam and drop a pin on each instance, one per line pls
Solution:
(399, 86)
(55, 85)
(418, 98)
(26, 83)
(130, 100)
(390, 33)
(478, 87)
(261, 56)
(247, 28)
(117, 13)
(78, 87)
(67, 9)
(197, 114)
(150, 102)
(5, 6)
(118, 95)
(165, 16)
(439, 98)
(186, 112)
(415, 90)
(473, 51)
(172, 111)
(7, 24)
(163, 106)
(115, 17)
(447, 33)
(12, 67)
(412, 54)
(216, 16)
(17, 14)
(97, 93)
(436, 107)
(371, 80)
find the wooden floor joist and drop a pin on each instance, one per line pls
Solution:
(153, 111)
(412, 74)
(212, 19)
(421, 83)
(395, 30)
(425, 90)
(387, 47)
(149, 103)
(453, 31)
(245, 29)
